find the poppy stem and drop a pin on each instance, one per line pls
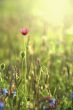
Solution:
(26, 69)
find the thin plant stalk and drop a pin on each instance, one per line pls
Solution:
(26, 70)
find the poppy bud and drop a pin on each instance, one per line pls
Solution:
(22, 54)
(2, 66)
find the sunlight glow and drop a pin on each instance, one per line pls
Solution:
(53, 11)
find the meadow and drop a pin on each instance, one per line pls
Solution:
(36, 61)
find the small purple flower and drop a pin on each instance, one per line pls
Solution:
(72, 95)
(5, 91)
(52, 102)
(1, 105)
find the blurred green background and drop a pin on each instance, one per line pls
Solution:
(52, 18)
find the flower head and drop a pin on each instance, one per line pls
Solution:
(5, 91)
(1, 105)
(72, 95)
(52, 102)
(24, 31)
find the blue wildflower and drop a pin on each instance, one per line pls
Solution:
(5, 91)
(52, 102)
(72, 95)
(1, 105)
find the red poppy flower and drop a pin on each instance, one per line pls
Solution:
(24, 31)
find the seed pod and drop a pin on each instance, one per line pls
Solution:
(2, 66)
(22, 54)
